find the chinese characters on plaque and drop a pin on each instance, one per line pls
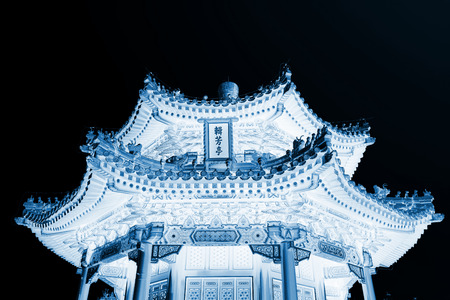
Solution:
(218, 140)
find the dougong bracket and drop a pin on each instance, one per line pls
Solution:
(269, 251)
(301, 254)
(161, 251)
(273, 252)
(358, 271)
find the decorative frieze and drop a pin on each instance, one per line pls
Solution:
(122, 246)
(332, 250)
(111, 250)
(215, 236)
(336, 272)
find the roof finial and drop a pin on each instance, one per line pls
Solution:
(228, 90)
(286, 71)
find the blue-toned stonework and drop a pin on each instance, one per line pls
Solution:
(228, 198)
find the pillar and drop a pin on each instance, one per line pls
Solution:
(83, 291)
(288, 271)
(319, 278)
(131, 278)
(367, 286)
(147, 236)
(143, 273)
(266, 284)
(178, 274)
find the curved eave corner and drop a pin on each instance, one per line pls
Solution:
(60, 214)
(398, 221)
(348, 139)
(402, 213)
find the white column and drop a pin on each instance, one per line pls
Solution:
(266, 282)
(256, 273)
(178, 275)
(147, 235)
(131, 278)
(367, 287)
(319, 277)
(288, 279)
(143, 273)
(83, 291)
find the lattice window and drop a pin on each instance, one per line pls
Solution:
(242, 258)
(210, 289)
(299, 293)
(305, 292)
(210, 294)
(158, 290)
(227, 289)
(219, 288)
(218, 258)
(244, 289)
(226, 294)
(195, 258)
(193, 294)
(193, 289)
(309, 294)
(243, 294)
(277, 291)
(163, 295)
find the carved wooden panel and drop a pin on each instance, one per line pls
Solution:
(159, 290)
(219, 288)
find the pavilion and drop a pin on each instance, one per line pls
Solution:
(235, 197)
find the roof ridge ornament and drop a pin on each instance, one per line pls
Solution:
(381, 192)
(286, 71)
(228, 91)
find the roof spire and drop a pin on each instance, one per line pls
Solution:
(228, 90)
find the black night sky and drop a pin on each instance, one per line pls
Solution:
(80, 64)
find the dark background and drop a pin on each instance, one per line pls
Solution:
(71, 65)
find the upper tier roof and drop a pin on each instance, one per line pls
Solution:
(165, 122)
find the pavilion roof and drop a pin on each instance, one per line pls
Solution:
(161, 112)
(316, 168)
(101, 193)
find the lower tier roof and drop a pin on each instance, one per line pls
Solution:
(315, 194)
